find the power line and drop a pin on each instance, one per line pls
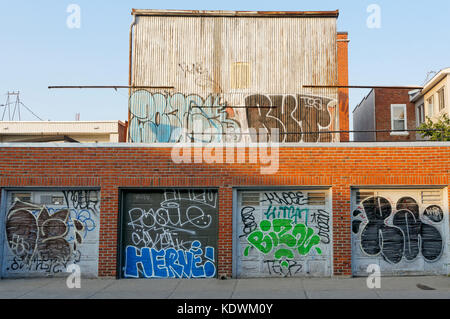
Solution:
(31, 111)
(361, 87)
(17, 103)
(109, 87)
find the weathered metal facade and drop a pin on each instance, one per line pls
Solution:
(232, 71)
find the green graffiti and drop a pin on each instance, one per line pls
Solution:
(278, 232)
(291, 212)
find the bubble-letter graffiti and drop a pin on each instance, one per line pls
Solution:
(171, 234)
(399, 232)
(283, 239)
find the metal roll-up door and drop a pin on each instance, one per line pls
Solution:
(46, 231)
(283, 233)
(403, 231)
(169, 233)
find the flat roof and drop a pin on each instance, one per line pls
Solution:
(221, 13)
(352, 145)
(58, 127)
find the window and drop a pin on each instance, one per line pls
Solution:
(240, 75)
(420, 114)
(430, 107)
(398, 118)
(441, 99)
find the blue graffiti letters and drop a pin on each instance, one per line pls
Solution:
(170, 263)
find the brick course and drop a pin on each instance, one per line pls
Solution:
(112, 167)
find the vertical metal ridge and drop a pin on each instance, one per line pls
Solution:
(196, 56)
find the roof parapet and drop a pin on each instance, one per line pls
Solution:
(220, 13)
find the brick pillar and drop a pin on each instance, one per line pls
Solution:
(109, 207)
(342, 260)
(342, 60)
(225, 251)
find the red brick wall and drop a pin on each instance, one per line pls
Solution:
(123, 127)
(342, 63)
(383, 100)
(110, 168)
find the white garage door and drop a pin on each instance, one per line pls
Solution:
(283, 233)
(405, 232)
(46, 231)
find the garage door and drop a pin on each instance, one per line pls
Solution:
(405, 232)
(45, 231)
(283, 233)
(169, 233)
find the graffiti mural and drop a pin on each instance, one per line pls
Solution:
(200, 75)
(399, 232)
(170, 234)
(279, 232)
(170, 118)
(292, 114)
(47, 237)
(174, 118)
(283, 234)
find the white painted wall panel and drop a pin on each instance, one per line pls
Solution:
(283, 233)
(46, 231)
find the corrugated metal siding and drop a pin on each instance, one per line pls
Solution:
(196, 56)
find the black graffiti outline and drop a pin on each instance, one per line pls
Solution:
(158, 228)
(408, 237)
(322, 220)
(82, 199)
(248, 220)
(434, 213)
(277, 269)
(302, 113)
(287, 198)
(44, 264)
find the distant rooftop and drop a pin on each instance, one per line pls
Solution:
(430, 84)
(64, 131)
(220, 13)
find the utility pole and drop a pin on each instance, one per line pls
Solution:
(9, 102)
(16, 108)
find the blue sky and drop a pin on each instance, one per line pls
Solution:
(38, 49)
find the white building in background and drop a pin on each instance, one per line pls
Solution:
(67, 131)
(434, 99)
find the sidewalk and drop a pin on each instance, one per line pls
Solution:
(267, 288)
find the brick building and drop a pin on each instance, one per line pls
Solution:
(63, 131)
(304, 204)
(109, 197)
(388, 111)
